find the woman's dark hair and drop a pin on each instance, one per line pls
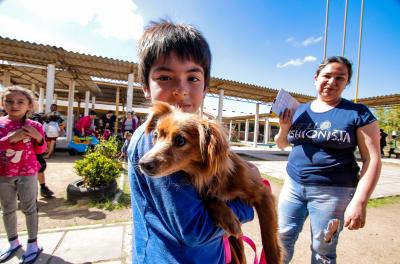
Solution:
(338, 59)
(162, 38)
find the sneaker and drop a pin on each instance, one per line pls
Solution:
(46, 192)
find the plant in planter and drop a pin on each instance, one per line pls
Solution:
(99, 170)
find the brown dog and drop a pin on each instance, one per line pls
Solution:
(199, 147)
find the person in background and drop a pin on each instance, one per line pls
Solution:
(45, 191)
(108, 121)
(383, 140)
(324, 180)
(52, 131)
(59, 119)
(393, 144)
(20, 140)
(130, 122)
(124, 149)
(2, 112)
(85, 125)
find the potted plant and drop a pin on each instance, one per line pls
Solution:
(99, 170)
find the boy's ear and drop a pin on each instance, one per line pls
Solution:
(146, 91)
(158, 110)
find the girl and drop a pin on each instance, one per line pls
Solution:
(20, 140)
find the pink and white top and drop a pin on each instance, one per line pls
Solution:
(19, 158)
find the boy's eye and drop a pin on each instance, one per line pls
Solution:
(163, 78)
(193, 79)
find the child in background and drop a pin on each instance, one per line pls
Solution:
(20, 140)
(52, 131)
(124, 149)
(171, 223)
(45, 192)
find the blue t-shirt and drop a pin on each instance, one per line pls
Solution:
(324, 144)
(170, 222)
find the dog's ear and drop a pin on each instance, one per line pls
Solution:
(215, 146)
(159, 109)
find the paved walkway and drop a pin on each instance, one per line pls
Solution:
(111, 244)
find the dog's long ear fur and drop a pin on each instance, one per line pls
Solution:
(215, 147)
(159, 109)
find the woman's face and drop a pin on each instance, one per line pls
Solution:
(331, 82)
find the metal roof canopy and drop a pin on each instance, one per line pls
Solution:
(82, 67)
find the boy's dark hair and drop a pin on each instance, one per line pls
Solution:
(91, 112)
(338, 59)
(162, 38)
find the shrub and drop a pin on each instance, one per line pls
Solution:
(109, 148)
(97, 169)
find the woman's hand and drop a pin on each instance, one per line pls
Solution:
(355, 215)
(285, 119)
(33, 133)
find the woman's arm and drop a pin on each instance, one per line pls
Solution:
(285, 121)
(368, 141)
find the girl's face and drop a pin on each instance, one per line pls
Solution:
(331, 82)
(16, 105)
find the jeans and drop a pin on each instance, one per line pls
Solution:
(325, 205)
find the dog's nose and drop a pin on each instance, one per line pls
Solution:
(148, 166)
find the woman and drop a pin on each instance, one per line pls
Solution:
(324, 180)
(130, 123)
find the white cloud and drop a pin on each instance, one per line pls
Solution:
(296, 62)
(20, 30)
(307, 42)
(118, 19)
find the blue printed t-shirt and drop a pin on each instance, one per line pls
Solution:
(170, 223)
(324, 144)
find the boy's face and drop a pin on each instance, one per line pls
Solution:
(177, 82)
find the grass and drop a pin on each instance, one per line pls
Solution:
(378, 202)
(272, 179)
(123, 202)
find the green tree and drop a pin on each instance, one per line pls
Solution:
(388, 118)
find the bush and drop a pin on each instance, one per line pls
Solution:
(109, 148)
(100, 166)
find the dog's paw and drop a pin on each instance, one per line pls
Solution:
(232, 227)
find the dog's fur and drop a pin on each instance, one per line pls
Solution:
(186, 142)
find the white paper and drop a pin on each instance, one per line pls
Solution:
(282, 101)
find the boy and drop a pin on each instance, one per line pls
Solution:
(170, 222)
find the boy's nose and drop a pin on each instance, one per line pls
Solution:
(180, 90)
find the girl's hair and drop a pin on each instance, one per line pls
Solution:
(160, 39)
(338, 59)
(18, 89)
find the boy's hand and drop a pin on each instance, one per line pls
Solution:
(17, 135)
(33, 133)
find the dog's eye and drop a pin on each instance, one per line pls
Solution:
(179, 141)
(155, 134)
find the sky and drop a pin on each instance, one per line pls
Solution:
(275, 44)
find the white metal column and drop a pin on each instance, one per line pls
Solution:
(246, 131)
(87, 98)
(129, 92)
(70, 110)
(220, 104)
(256, 125)
(239, 131)
(41, 100)
(266, 130)
(93, 102)
(51, 73)
(230, 130)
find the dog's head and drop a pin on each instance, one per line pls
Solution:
(186, 142)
